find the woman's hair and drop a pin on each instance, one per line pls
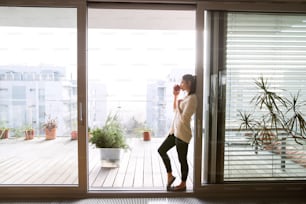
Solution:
(192, 79)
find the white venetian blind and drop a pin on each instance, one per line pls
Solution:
(272, 46)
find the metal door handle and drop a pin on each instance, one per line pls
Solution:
(81, 112)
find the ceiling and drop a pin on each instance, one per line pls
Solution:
(98, 18)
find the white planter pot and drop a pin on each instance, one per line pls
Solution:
(111, 154)
(110, 157)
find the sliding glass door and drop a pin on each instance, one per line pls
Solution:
(255, 102)
(38, 103)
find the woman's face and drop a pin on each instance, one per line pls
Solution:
(185, 85)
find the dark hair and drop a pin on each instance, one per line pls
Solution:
(192, 79)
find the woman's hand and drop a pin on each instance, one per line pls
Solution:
(176, 90)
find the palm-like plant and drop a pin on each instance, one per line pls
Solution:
(296, 124)
(279, 114)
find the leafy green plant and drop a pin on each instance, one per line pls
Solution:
(278, 115)
(110, 135)
(16, 132)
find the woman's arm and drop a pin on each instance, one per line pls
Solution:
(189, 109)
(175, 102)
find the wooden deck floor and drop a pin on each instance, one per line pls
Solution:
(140, 168)
(54, 162)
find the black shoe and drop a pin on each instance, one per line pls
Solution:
(177, 189)
(170, 183)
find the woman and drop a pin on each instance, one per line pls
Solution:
(180, 131)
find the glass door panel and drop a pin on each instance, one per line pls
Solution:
(265, 54)
(38, 89)
(135, 57)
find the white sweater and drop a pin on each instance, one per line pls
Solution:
(181, 122)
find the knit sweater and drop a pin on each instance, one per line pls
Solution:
(181, 122)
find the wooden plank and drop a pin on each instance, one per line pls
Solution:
(129, 176)
(9, 173)
(6, 161)
(122, 169)
(39, 176)
(163, 171)
(56, 171)
(130, 171)
(156, 171)
(30, 169)
(94, 173)
(100, 177)
(139, 171)
(162, 167)
(110, 179)
(147, 168)
(94, 164)
(70, 168)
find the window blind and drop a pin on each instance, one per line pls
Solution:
(272, 46)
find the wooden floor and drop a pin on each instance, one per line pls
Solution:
(140, 168)
(54, 162)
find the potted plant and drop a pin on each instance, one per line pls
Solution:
(145, 131)
(275, 118)
(140, 129)
(28, 132)
(4, 130)
(74, 132)
(17, 132)
(146, 135)
(74, 135)
(109, 139)
(50, 127)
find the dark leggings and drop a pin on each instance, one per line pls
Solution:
(181, 148)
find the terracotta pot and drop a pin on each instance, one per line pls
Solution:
(267, 138)
(50, 134)
(29, 134)
(146, 136)
(4, 134)
(74, 135)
